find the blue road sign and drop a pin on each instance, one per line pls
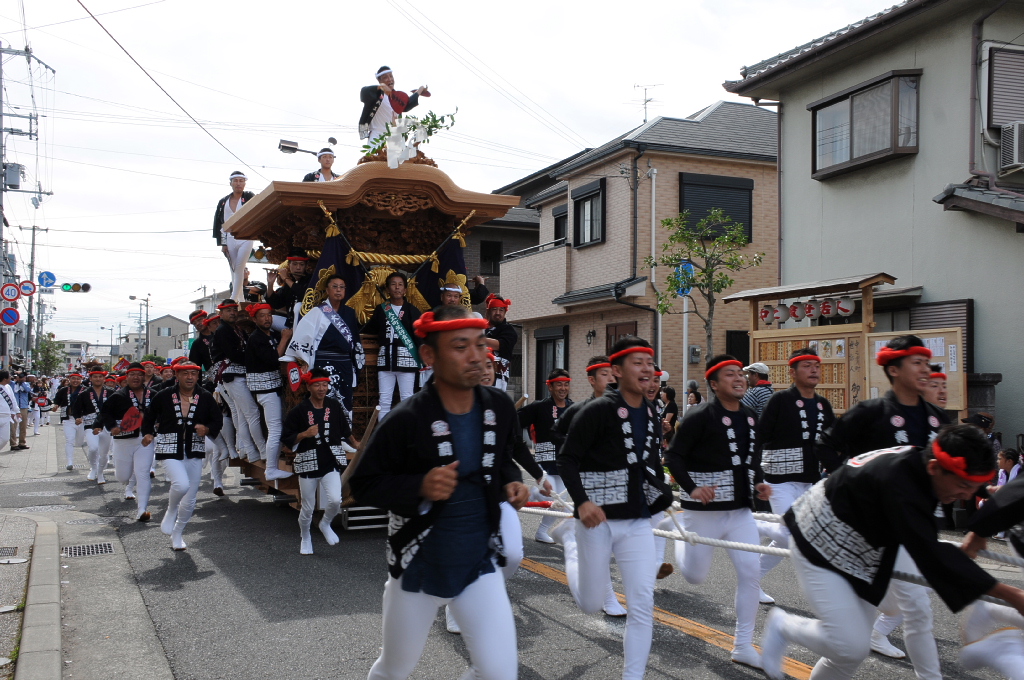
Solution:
(47, 279)
(684, 270)
(10, 316)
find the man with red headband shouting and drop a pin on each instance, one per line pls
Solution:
(539, 418)
(441, 464)
(501, 338)
(901, 417)
(848, 529)
(611, 465)
(713, 457)
(786, 434)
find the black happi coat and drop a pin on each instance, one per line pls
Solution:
(315, 176)
(118, 404)
(393, 354)
(316, 456)
(218, 216)
(540, 417)
(229, 347)
(262, 368)
(716, 447)
(787, 432)
(199, 354)
(88, 404)
(414, 439)
(598, 463)
(286, 296)
(65, 399)
(871, 425)
(371, 96)
(854, 522)
(174, 428)
(1004, 510)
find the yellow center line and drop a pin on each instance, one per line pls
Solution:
(791, 667)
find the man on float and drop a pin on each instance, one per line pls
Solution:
(74, 433)
(236, 251)
(713, 458)
(263, 352)
(787, 432)
(539, 417)
(441, 465)
(848, 529)
(293, 281)
(901, 417)
(86, 411)
(178, 422)
(132, 459)
(382, 104)
(501, 338)
(610, 463)
(398, 356)
(324, 174)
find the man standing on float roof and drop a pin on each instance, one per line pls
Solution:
(235, 250)
(382, 104)
(324, 174)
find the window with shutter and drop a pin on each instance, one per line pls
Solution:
(1006, 85)
(700, 194)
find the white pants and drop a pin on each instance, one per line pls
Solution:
(238, 256)
(330, 498)
(557, 487)
(184, 476)
(74, 435)
(226, 438)
(512, 537)
(132, 458)
(784, 494)
(695, 560)
(5, 430)
(97, 447)
(33, 414)
(482, 611)
(632, 544)
(910, 603)
(841, 634)
(659, 541)
(386, 383)
(217, 459)
(271, 403)
(246, 415)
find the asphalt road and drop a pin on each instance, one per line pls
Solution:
(242, 603)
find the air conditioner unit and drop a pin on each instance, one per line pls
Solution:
(1011, 148)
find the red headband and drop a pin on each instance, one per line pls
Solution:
(561, 378)
(804, 357)
(938, 376)
(490, 355)
(309, 379)
(121, 378)
(887, 356)
(186, 366)
(72, 375)
(594, 367)
(198, 314)
(227, 305)
(958, 466)
(207, 320)
(296, 258)
(149, 363)
(426, 324)
(629, 350)
(495, 301)
(254, 309)
(722, 364)
(134, 370)
(658, 374)
(97, 372)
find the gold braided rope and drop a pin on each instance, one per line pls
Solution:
(356, 258)
(333, 229)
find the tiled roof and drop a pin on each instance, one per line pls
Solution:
(725, 129)
(522, 216)
(989, 201)
(553, 190)
(606, 290)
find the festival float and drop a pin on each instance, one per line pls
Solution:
(395, 210)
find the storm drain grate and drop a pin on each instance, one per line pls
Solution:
(45, 508)
(8, 552)
(87, 550)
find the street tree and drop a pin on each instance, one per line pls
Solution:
(716, 248)
(49, 357)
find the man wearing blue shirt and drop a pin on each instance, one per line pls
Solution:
(23, 393)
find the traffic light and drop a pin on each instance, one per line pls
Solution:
(76, 287)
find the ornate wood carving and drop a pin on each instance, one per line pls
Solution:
(396, 204)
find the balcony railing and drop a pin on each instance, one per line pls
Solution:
(558, 242)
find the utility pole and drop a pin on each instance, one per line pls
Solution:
(29, 347)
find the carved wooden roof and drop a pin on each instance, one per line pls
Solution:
(408, 210)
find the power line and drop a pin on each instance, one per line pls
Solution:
(166, 92)
(139, 172)
(68, 21)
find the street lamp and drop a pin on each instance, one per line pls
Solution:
(146, 302)
(284, 146)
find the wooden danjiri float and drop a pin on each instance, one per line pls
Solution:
(371, 221)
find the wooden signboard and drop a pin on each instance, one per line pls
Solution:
(842, 352)
(947, 346)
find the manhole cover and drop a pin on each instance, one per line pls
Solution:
(101, 520)
(40, 493)
(46, 508)
(8, 552)
(87, 550)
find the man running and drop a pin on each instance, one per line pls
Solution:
(85, 411)
(132, 459)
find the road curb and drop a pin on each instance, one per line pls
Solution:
(39, 654)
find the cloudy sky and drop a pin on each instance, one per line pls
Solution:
(135, 182)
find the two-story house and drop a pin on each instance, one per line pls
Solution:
(901, 151)
(585, 284)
